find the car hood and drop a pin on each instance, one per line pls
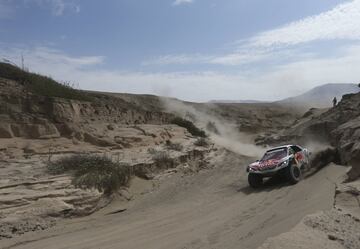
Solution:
(268, 164)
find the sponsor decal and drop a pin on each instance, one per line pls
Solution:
(268, 164)
(299, 156)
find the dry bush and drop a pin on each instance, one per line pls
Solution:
(174, 146)
(203, 142)
(191, 128)
(93, 171)
(41, 85)
(152, 151)
(211, 126)
(163, 160)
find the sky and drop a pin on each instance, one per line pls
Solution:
(196, 50)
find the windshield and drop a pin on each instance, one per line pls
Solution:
(275, 154)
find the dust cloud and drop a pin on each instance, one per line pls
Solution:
(220, 132)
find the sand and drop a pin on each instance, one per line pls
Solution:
(212, 209)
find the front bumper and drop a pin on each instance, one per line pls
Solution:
(266, 171)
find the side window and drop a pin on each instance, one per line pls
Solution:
(291, 151)
(296, 148)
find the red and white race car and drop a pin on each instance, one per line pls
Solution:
(289, 160)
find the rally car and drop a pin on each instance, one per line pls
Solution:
(289, 160)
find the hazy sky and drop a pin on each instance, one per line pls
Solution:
(191, 49)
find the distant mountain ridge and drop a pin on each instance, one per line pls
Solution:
(322, 96)
(250, 101)
(318, 97)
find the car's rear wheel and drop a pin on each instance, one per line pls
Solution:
(293, 173)
(255, 180)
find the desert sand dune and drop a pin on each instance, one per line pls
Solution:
(212, 209)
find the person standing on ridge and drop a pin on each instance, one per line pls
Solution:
(334, 102)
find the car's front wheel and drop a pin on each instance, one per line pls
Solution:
(293, 173)
(255, 180)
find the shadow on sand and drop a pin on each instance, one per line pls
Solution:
(275, 182)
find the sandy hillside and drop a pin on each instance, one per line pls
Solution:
(212, 209)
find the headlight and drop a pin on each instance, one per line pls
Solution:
(283, 163)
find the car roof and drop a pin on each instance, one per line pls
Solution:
(283, 147)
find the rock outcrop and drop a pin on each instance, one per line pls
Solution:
(27, 115)
(36, 129)
(338, 127)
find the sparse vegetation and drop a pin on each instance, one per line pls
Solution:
(174, 146)
(41, 85)
(191, 128)
(210, 126)
(93, 171)
(163, 160)
(152, 151)
(203, 142)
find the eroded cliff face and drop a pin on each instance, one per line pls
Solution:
(36, 129)
(338, 127)
(26, 115)
(132, 129)
(346, 136)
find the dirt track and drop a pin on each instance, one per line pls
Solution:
(212, 209)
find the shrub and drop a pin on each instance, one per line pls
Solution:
(41, 85)
(163, 160)
(210, 126)
(93, 171)
(152, 151)
(189, 126)
(174, 146)
(203, 142)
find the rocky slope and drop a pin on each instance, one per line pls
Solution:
(38, 125)
(25, 114)
(338, 127)
(37, 128)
